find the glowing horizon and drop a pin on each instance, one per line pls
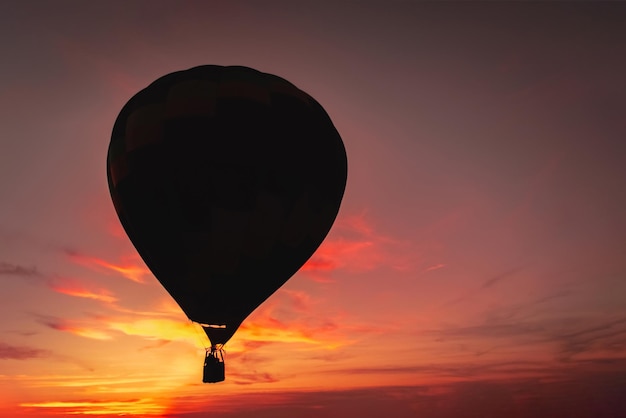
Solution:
(476, 266)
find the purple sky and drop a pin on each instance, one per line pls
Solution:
(478, 263)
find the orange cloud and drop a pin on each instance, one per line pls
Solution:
(130, 268)
(298, 300)
(165, 307)
(87, 331)
(73, 288)
(153, 329)
(265, 326)
(273, 330)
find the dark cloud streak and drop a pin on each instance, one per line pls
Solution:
(606, 336)
(9, 269)
(576, 394)
(498, 278)
(15, 352)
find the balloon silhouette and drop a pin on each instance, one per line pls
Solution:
(226, 180)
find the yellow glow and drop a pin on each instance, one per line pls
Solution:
(145, 406)
(161, 329)
(92, 333)
(84, 332)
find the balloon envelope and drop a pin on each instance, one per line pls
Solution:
(226, 180)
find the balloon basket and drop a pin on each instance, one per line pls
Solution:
(214, 370)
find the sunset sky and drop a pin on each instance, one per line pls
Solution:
(477, 267)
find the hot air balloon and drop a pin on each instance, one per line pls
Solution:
(226, 180)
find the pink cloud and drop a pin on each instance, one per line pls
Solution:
(115, 229)
(358, 223)
(435, 267)
(298, 300)
(358, 247)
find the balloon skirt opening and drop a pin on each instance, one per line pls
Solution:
(214, 370)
